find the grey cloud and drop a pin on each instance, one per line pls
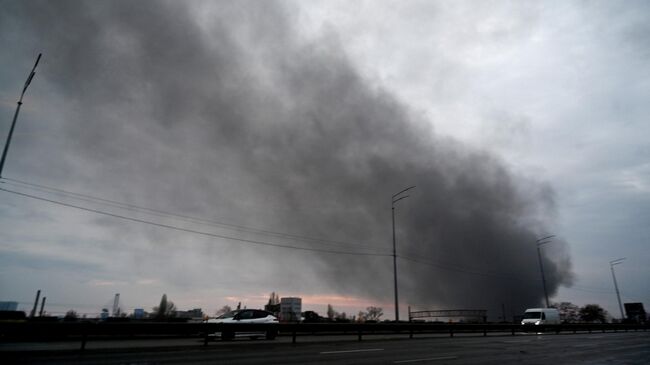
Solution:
(244, 121)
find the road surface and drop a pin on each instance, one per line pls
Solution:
(596, 348)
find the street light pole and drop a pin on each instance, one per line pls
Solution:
(395, 198)
(618, 295)
(541, 242)
(13, 123)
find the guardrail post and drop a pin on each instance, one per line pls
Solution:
(451, 332)
(293, 340)
(360, 335)
(205, 340)
(484, 332)
(84, 336)
(411, 333)
(513, 331)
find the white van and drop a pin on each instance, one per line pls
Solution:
(537, 316)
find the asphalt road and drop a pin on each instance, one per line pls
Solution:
(596, 348)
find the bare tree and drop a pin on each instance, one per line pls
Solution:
(225, 309)
(361, 316)
(166, 308)
(70, 316)
(593, 313)
(274, 299)
(569, 312)
(342, 317)
(373, 313)
(331, 313)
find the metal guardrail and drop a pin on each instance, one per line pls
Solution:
(478, 314)
(84, 331)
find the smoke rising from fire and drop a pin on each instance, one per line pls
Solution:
(221, 110)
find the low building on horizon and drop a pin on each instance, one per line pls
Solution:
(290, 309)
(8, 306)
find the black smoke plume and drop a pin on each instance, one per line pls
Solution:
(221, 110)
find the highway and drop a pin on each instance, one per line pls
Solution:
(596, 348)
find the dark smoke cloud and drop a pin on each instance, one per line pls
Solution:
(236, 117)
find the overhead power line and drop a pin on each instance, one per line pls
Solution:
(161, 213)
(462, 269)
(182, 217)
(181, 229)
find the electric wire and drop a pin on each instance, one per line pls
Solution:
(182, 217)
(191, 219)
(464, 270)
(187, 230)
(448, 267)
(592, 290)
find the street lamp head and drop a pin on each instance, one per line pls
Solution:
(405, 190)
(544, 240)
(30, 77)
(398, 199)
(617, 261)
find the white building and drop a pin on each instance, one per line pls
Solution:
(290, 309)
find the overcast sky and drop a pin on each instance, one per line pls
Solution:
(265, 140)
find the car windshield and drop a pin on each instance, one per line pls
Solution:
(229, 314)
(532, 315)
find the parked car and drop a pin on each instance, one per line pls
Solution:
(247, 316)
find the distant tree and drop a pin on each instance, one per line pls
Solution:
(166, 309)
(311, 317)
(373, 313)
(70, 316)
(274, 299)
(273, 305)
(569, 312)
(361, 317)
(331, 313)
(225, 309)
(593, 313)
(342, 317)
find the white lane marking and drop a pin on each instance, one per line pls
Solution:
(348, 351)
(427, 359)
(631, 347)
(517, 341)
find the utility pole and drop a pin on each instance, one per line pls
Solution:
(33, 313)
(116, 305)
(394, 200)
(40, 313)
(541, 242)
(13, 123)
(618, 295)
